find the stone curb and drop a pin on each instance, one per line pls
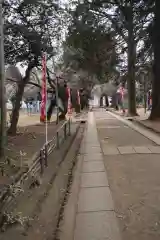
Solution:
(150, 134)
(68, 227)
(146, 127)
(132, 119)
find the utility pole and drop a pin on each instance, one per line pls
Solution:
(2, 89)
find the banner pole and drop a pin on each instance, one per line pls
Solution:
(43, 116)
(46, 123)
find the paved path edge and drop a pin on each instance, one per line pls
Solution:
(69, 222)
(140, 129)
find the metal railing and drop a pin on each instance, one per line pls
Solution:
(38, 167)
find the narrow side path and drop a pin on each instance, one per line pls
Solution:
(95, 218)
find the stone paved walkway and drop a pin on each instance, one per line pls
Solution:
(119, 186)
(131, 157)
(95, 219)
(118, 194)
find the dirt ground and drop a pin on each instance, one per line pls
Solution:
(30, 139)
(135, 186)
(22, 148)
(42, 204)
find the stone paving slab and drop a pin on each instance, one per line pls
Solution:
(91, 144)
(126, 150)
(90, 148)
(95, 218)
(91, 134)
(104, 118)
(154, 149)
(142, 150)
(109, 127)
(93, 157)
(110, 150)
(92, 139)
(93, 166)
(95, 199)
(93, 149)
(113, 150)
(94, 179)
(97, 226)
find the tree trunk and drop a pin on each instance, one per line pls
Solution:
(15, 112)
(131, 67)
(77, 108)
(64, 112)
(50, 109)
(101, 101)
(155, 112)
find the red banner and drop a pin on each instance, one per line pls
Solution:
(122, 92)
(44, 92)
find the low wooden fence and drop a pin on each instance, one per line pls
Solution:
(10, 192)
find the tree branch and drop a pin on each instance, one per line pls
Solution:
(31, 83)
(114, 23)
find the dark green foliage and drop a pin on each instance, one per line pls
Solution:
(28, 27)
(129, 22)
(93, 46)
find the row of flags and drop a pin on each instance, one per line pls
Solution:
(43, 111)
